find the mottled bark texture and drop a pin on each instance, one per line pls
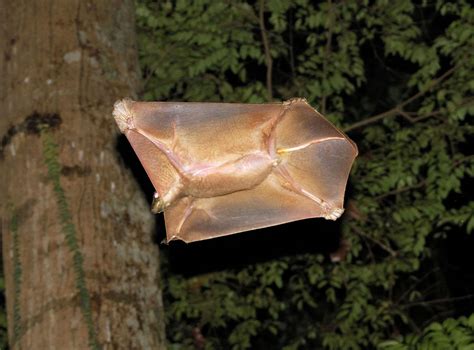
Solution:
(80, 266)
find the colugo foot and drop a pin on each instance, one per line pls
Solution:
(158, 205)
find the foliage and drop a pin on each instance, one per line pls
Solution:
(51, 160)
(410, 65)
(450, 334)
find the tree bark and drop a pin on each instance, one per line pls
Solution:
(81, 268)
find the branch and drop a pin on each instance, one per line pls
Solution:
(371, 120)
(266, 46)
(463, 159)
(415, 285)
(439, 301)
(420, 184)
(382, 245)
(398, 110)
(439, 316)
(401, 190)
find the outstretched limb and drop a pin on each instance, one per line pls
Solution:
(314, 157)
(328, 210)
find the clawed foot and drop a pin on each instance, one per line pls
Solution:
(158, 205)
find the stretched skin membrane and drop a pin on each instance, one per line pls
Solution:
(223, 168)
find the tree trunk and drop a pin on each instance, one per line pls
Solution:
(81, 268)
